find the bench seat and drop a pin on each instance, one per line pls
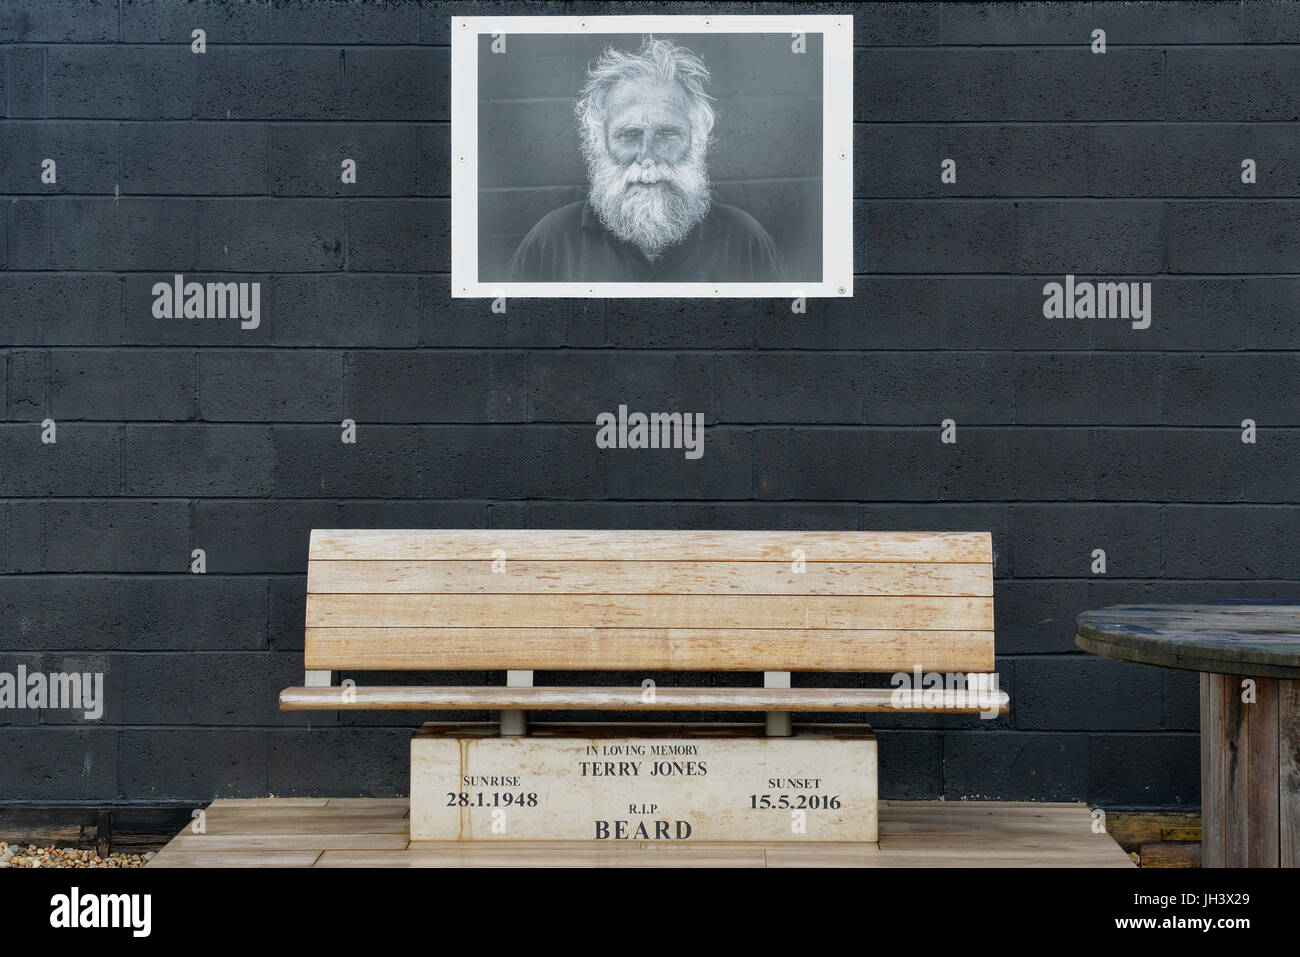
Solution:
(643, 602)
(860, 700)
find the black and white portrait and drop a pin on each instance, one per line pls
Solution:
(659, 162)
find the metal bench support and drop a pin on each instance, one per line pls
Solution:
(779, 724)
(515, 723)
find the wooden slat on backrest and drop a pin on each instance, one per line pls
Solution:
(649, 600)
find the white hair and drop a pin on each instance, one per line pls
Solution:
(657, 59)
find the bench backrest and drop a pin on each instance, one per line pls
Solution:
(447, 600)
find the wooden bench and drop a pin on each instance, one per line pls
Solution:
(647, 601)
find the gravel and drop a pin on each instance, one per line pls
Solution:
(17, 855)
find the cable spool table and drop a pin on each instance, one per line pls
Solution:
(1248, 654)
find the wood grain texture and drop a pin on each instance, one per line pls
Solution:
(649, 611)
(959, 834)
(527, 576)
(1247, 773)
(647, 545)
(866, 700)
(667, 649)
(467, 600)
(1288, 751)
(1228, 637)
(1213, 771)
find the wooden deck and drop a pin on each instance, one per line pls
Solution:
(372, 832)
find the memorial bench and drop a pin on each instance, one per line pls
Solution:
(646, 601)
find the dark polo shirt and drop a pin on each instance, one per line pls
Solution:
(570, 245)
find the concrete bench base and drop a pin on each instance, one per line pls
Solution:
(626, 782)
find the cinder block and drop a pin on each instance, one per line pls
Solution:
(568, 386)
(116, 536)
(1226, 389)
(1105, 695)
(434, 161)
(1080, 236)
(405, 235)
(265, 235)
(1010, 464)
(344, 23)
(1235, 237)
(924, 388)
(249, 83)
(278, 385)
(1016, 23)
(1231, 541)
(1272, 319)
(84, 460)
(896, 161)
(1082, 389)
(121, 384)
(862, 464)
(1038, 160)
(58, 21)
(1185, 314)
(1147, 160)
(1057, 541)
(563, 462)
(342, 310)
(436, 387)
(49, 765)
(723, 472)
(1270, 21)
(937, 85)
(165, 21)
(1031, 765)
(903, 237)
(1236, 84)
(397, 84)
(1274, 148)
(307, 159)
(1073, 85)
(96, 82)
(1168, 465)
(1169, 22)
(659, 323)
(28, 229)
(1145, 769)
(84, 154)
(1035, 617)
(192, 764)
(131, 234)
(198, 459)
(311, 461)
(536, 323)
(1271, 466)
(194, 159)
(25, 83)
(339, 762)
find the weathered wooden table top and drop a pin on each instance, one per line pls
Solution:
(1224, 637)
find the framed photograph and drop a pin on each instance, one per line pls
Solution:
(652, 156)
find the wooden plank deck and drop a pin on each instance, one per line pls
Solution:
(366, 832)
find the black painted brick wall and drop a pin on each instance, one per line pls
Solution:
(1073, 435)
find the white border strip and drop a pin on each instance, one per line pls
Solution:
(837, 155)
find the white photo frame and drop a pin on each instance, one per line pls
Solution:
(471, 278)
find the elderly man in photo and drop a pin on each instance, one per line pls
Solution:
(645, 122)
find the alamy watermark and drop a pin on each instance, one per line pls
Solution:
(212, 300)
(976, 692)
(1098, 300)
(656, 430)
(59, 690)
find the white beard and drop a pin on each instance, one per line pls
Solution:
(652, 207)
